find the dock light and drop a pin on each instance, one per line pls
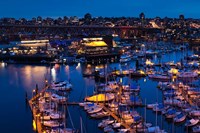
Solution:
(141, 72)
(3, 64)
(148, 62)
(121, 80)
(34, 125)
(88, 65)
(174, 71)
(33, 92)
(46, 81)
(173, 79)
(38, 115)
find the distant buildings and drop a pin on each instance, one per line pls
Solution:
(182, 29)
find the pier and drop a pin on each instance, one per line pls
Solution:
(118, 119)
(37, 125)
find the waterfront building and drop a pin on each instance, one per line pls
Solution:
(94, 46)
(35, 43)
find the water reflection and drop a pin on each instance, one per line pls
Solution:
(78, 67)
(3, 64)
(53, 74)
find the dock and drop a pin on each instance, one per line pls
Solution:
(118, 119)
(185, 95)
(37, 125)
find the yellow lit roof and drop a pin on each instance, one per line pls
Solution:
(96, 44)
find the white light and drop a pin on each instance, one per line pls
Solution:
(53, 73)
(3, 64)
(78, 66)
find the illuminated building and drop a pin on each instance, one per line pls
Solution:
(35, 43)
(95, 46)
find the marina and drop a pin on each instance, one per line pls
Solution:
(174, 100)
(100, 66)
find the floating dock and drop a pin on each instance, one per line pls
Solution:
(118, 119)
(37, 125)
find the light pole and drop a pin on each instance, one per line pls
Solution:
(32, 98)
(33, 92)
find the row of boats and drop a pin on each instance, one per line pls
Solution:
(178, 104)
(46, 106)
(178, 96)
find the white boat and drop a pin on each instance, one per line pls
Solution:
(131, 87)
(104, 123)
(52, 116)
(155, 129)
(187, 110)
(191, 122)
(125, 58)
(56, 116)
(123, 130)
(159, 77)
(163, 84)
(171, 113)
(60, 130)
(94, 109)
(187, 75)
(88, 105)
(160, 107)
(179, 118)
(100, 114)
(116, 125)
(108, 129)
(196, 129)
(58, 84)
(172, 101)
(195, 113)
(52, 124)
(151, 106)
(84, 103)
(57, 98)
(65, 87)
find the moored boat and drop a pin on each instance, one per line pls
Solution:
(196, 129)
(179, 118)
(191, 122)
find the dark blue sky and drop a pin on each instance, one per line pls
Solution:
(109, 8)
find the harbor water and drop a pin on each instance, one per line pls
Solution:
(18, 80)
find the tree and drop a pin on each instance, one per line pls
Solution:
(142, 16)
(87, 16)
(181, 17)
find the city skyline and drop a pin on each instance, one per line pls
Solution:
(111, 8)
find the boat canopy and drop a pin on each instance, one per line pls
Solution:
(100, 98)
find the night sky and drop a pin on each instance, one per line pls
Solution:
(106, 8)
